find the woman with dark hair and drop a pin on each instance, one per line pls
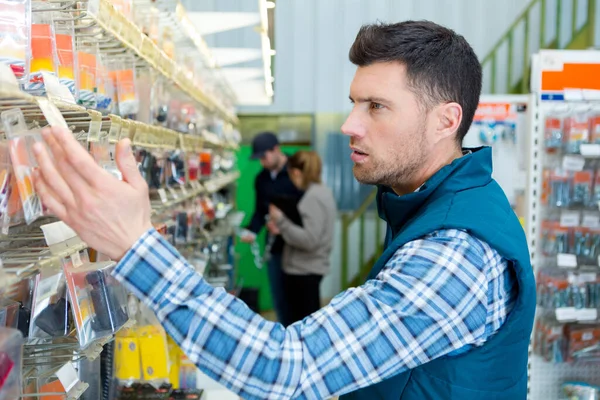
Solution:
(308, 238)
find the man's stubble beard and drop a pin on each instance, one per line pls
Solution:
(398, 170)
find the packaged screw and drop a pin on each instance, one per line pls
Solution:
(576, 132)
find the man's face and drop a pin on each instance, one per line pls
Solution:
(387, 126)
(270, 160)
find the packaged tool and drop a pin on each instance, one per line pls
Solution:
(11, 363)
(21, 141)
(44, 58)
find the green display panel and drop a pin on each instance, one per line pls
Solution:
(245, 199)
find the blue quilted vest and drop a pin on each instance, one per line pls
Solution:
(464, 196)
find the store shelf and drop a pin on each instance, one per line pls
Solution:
(81, 119)
(106, 21)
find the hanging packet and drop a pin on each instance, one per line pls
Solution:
(87, 59)
(11, 362)
(15, 34)
(21, 141)
(44, 57)
(65, 48)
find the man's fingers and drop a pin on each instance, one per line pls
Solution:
(50, 174)
(128, 166)
(68, 171)
(82, 162)
(48, 197)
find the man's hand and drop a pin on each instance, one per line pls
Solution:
(108, 214)
(275, 213)
(273, 228)
(247, 238)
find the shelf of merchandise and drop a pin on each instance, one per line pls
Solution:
(557, 77)
(42, 111)
(101, 20)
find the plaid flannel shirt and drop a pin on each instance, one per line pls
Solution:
(439, 295)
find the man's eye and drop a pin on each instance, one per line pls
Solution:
(376, 106)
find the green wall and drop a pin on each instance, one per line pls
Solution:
(245, 199)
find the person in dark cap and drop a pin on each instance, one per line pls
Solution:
(272, 180)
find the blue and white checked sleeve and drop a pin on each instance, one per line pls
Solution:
(438, 295)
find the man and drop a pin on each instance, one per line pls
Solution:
(446, 312)
(272, 181)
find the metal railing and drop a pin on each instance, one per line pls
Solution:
(348, 219)
(581, 37)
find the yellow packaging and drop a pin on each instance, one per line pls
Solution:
(154, 353)
(128, 364)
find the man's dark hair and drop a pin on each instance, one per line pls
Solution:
(440, 64)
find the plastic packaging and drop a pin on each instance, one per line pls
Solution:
(90, 373)
(582, 188)
(65, 47)
(206, 164)
(43, 52)
(24, 295)
(576, 132)
(21, 142)
(105, 95)
(559, 189)
(580, 391)
(122, 72)
(51, 316)
(15, 34)
(87, 59)
(555, 239)
(9, 313)
(11, 361)
(98, 301)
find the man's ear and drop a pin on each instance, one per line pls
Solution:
(449, 116)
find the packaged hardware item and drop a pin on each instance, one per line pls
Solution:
(555, 239)
(51, 316)
(11, 361)
(560, 189)
(596, 194)
(582, 188)
(43, 53)
(576, 132)
(21, 141)
(206, 164)
(68, 68)
(11, 210)
(595, 129)
(105, 94)
(583, 343)
(580, 391)
(122, 72)
(24, 294)
(99, 302)
(15, 36)
(87, 60)
(90, 371)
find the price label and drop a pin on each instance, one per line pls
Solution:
(573, 163)
(566, 260)
(587, 336)
(573, 94)
(587, 314)
(173, 193)
(566, 314)
(586, 277)
(569, 219)
(163, 195)
(591, 221)
(51, 113)
(68, 377)
(590, 150)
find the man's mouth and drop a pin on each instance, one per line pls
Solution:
(358, 155)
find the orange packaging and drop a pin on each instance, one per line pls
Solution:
(595, 129)
(64, 48)
(87, 78)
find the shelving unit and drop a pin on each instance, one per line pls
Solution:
(561, 229)
(194, 214)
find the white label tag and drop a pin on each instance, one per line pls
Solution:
(51, 113)
(566, 260)
(566, 314)
(184, 191)
(569, 219)
(590, 150)
(163, 195)
(587, 336)
(8, 80)
(173, 193)
(94, 131)
(573, 163)
(114, 132)
(587, 314)
(124, 133)
(591, 221)
(586, 277)
(573, 94)
(591, 94)
(57, 90)
(76, 260)
(551, 62)
(67, 376)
